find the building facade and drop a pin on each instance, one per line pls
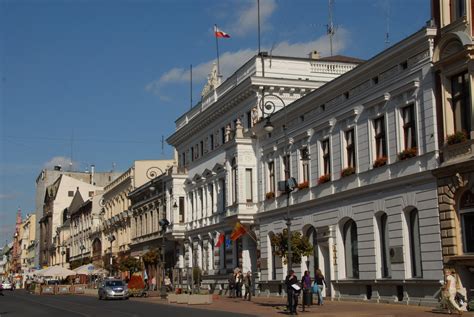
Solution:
(454, 68)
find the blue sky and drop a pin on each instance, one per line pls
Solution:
(102, 81)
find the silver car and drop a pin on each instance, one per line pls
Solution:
(113, 288)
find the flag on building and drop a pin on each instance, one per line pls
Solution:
(228, 243)
(220, 33)
(220, 239)
(238, 231)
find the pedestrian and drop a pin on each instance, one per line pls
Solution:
(306, 284)
(451, 290)
(293, 290)
(318, 286)
(238, 285)
(248, 285)
(153, 283)
(231, 281)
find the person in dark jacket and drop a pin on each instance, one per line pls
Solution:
(319, 281)
(293, 290)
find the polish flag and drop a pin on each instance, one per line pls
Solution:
(220, 240)
(220, 33)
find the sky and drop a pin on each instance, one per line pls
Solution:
(102, 81)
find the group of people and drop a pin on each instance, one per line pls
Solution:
(293, 288)
(237, 280)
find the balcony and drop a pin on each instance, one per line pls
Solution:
(457, 153)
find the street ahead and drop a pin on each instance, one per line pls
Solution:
(20, 303)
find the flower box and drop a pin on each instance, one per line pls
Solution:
(457, 137)
(270, 195)
(381, 161)
(347, 171)
(324, 179)
(303, 185)
(408, 153)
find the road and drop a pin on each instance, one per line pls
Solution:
(20, 303)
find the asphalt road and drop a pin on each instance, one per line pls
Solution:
(20, 303)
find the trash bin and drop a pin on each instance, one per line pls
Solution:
(307, 297)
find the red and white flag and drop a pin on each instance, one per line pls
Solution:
(220, 239)
(220, 33)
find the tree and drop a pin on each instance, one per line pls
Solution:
(152, 257)
(300, 246)
(130, 264)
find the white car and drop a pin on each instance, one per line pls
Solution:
(7, 285)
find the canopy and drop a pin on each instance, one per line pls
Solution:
(90, 269)
(55, 271)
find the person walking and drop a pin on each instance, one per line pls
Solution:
(293, 291)
(451, 287)
(248, 286)
(153, 283)
(306, 284)
(318, 286)
(238, 285)
(232, 285)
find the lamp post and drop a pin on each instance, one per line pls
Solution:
(111, 239)
(82, 248)
(164, 223)
(268, 107)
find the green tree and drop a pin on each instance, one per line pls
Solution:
(130, 264)
(300, 246)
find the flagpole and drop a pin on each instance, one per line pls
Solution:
(217, 50)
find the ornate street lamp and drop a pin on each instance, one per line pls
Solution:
(111, 238)
(164, 223)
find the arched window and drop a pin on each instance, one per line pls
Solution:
(466, 214)
(351, 251)
(272, 258)
(384, 245)
(65, 215)
(415, 246)
(313, 259)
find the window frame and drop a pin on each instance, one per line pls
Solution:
(380, 137)
(326, 156)
(409, 127)
(350, 148)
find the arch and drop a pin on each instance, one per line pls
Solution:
(271, 257)
(96, 250)
(414, 243)
(448, 42)
(465, 217)
(313, 260)
(351, 248)
(382, 245)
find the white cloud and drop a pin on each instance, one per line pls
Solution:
(10, 196)
(246, 19)
(64, 162)
(230, 61)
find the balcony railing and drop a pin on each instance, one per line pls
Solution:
(457, 153)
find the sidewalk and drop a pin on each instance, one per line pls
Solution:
(275, 306)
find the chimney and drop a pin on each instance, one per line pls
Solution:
(314, 55)
(92, 174)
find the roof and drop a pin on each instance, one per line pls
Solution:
(341, 59)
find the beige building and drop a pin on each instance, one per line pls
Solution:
(114, 235)
(28, 242)
(454, 66)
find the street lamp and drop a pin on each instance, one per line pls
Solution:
(82, 248)
(289, 184)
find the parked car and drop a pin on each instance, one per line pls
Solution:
(7, 285)
(113, 288)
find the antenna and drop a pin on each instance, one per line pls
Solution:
(387, 25)
(330, 27)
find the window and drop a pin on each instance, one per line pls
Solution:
(223, 194)
(304, 159)
(183, 159)
(191, 201)
(222, 135)
(70, 193)
(201, 200)
(234, 181)
(248, 185)
(350, 148)
(351, 251)
(181, 209)
(466, 213)
(273, 258)
(409, 134)
(210, 189)
(201, 148)
(326, 151)
(211, 142)
(192, 154)
(460, 9)
(249, 119)
(380, 139)
(384, 245)
(460, 102)
(91, 193)
(271, 177)
(415, 245)
(314, 258)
